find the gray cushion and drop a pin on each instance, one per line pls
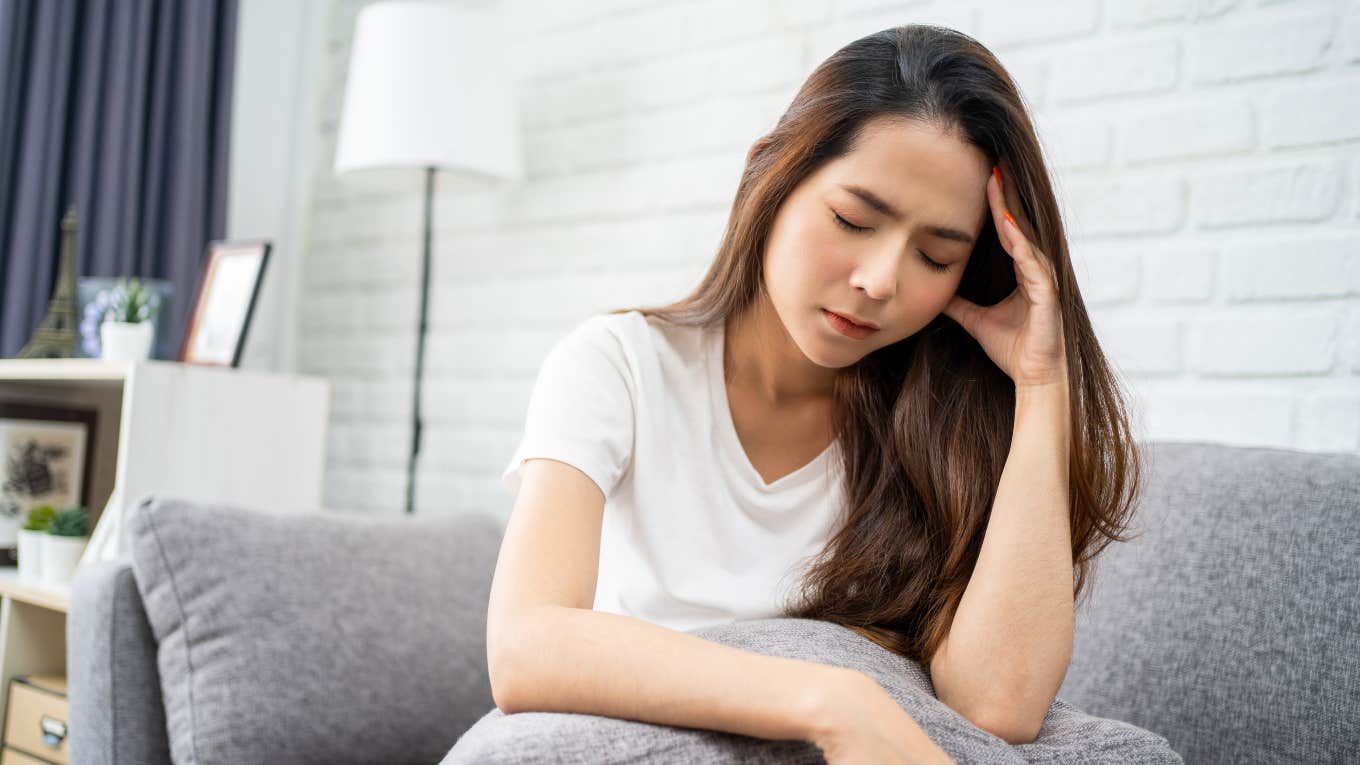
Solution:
(317, 637)
(1229, 625)
(1067, 736)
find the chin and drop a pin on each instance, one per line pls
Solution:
(833, 357)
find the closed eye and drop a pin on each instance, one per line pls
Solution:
(847, 225)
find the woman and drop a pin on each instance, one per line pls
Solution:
(887, 374)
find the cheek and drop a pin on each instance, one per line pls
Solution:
(804, 255)
(828, 256)
(930, 293)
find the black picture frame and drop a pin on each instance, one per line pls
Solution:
(224, 302)
(20, 410)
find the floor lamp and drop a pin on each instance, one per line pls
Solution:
(427, 88)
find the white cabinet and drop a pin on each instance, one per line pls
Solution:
(210, 433)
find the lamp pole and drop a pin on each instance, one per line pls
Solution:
(401, 52)
(416, 423)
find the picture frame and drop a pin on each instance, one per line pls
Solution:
(44, 459)
(224, 302)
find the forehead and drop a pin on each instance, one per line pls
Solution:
(932, 175)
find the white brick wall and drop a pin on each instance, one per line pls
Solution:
(1206, 152)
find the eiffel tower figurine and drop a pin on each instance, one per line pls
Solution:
(55, 338)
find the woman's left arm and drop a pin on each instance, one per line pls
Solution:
(1010, 643)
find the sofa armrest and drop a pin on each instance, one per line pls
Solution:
(113, 687)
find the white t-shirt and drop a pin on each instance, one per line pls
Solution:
(692, 535)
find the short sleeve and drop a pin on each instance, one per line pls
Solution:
(581, 408)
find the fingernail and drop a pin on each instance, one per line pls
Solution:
(996, 171)
(1012, 220)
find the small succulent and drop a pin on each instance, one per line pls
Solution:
(131, 301)
(74, 521)
(39, 518)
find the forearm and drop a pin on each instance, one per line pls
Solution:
(578, 660)
(1011, 639)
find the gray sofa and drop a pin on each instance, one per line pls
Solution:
(1226, 632)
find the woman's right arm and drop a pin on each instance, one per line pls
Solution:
(547, 650)
(579, 660)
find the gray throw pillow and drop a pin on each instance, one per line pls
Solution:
(318, 637)
(1067, 736)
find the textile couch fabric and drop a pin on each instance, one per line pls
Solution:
(1223, 633)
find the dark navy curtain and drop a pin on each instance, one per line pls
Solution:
(121, 108)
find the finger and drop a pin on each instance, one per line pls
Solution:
(1022, 251)
(1027, 257)
(1010, 197)
(996, 202)
(1007, 228)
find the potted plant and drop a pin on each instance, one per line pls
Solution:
(31, 541)
(126, 328)
(67, 534)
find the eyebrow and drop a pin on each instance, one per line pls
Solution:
(877, 202)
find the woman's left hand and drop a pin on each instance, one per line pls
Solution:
(1022, 334)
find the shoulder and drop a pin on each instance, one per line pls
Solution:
(637, 336)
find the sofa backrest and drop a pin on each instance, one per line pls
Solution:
(1229, 625)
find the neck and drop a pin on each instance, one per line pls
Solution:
(761, 357)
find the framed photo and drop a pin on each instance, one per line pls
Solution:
(224, 302)
(44, 460)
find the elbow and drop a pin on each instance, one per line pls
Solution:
(502, 689)
(1018, 716)
(512, 651)
(994, 713)
(1012, 715)
(1008, 727)
(496, 672)
(999, 718)
(1007, 723)
(502, 673)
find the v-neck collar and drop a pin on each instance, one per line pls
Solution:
(727, 429)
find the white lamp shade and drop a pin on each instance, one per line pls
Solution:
(428, 86)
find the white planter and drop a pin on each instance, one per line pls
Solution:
(125, 340)
(30, 555)
(59, 558)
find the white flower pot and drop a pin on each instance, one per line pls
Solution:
(59, 558)
(125, 340)
(30, 555)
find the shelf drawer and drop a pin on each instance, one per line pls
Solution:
(32, 712)
(15, 757)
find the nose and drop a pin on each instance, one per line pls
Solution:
(877, 276)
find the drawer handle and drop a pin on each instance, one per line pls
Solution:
(54, 731)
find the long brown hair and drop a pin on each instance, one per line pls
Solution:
(925, 424)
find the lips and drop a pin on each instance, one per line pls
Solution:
(855, 321)
(847, 327)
